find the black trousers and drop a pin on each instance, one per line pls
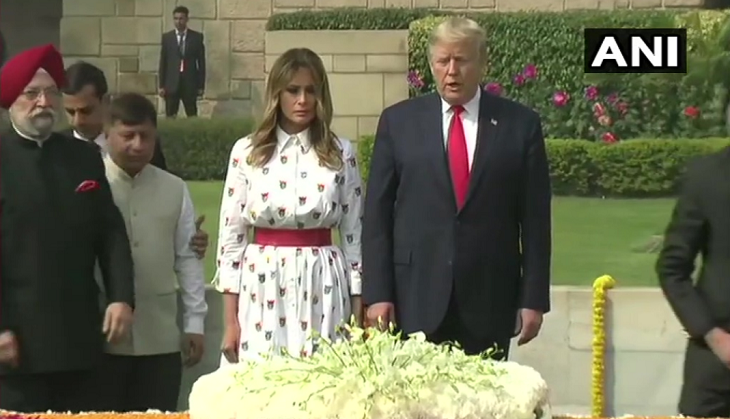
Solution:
(188, 94)
(706, 384)
(59, 392)
(453, 330)
(139, 383)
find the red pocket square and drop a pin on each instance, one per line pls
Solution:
(87, 186)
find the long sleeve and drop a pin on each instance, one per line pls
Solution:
(684, 237)
(189, 270)
(114, 253)
(162, 69)
(377, 236)
(232, 231)
(536, 223)
(201, 64)
(351, 223)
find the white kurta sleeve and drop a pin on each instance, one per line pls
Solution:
(189, 269)
(350, 226)
(232, 230)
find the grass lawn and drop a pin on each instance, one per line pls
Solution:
(591, 236)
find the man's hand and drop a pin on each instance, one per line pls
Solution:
(193, 347)
(8, 349)
(231, 342)
(531, 324)
(117, 321)
(719, 341)
(199, 242)
(381, 315)
(162, 92)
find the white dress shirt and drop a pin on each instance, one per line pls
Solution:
(100, 140)
(181, 40)
(189, 270)
(470, 118)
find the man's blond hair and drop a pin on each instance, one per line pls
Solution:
(459, 29)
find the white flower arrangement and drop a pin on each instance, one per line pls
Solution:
(378, 377)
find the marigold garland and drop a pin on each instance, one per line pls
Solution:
(598, 401)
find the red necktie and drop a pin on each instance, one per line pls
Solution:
(458, 158)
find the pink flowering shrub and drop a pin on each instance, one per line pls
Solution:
(610, 114)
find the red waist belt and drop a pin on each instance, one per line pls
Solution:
(320, 237)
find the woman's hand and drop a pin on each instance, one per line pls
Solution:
(231, 342)
(357, 310)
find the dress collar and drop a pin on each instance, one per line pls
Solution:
(300, 139)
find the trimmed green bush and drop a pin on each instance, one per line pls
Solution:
(660, 106)
(348, 19)
(551, 41)
(635, 168)
(197, 148)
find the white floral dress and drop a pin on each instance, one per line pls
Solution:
(286, 293)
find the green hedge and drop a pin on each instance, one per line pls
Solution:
(635, 168)
(197, 149)
(349, 19)
(553, 42)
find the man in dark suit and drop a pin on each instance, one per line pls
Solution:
(57, 219)
(700, 224)
(457, 225)
(182, 66)
(85, 97)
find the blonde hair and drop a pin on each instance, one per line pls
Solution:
(324, 141)
(459, 29)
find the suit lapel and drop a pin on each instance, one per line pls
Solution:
(186, 43)
(487, 132)
(433, 136)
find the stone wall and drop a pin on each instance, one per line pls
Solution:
(123, 37)
(367, 72)
(16, 17)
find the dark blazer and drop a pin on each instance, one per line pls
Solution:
(52, 235)
(494, 253)
(3, 50)
(700, 224)
(170, 57)
(158, 158)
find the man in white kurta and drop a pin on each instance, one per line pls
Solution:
(144, 371)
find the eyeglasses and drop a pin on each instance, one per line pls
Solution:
(35, 94)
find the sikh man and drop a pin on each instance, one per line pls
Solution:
(57, 219)
(85, 98)
(144, 370)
